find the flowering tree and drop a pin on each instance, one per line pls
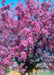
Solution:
(29, 38)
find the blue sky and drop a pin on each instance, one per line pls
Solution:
(16, 1)
(10, 1)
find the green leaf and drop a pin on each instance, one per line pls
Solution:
(19, 52)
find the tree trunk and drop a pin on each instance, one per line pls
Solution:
(31, 73)
(28, 73)
(22, 74)
(35, 73)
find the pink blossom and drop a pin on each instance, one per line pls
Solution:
(23, 56)
(21, 66)
(26, 66)
(5, 60)
(30, 40)
(26, 32)
(24, 43)
(16, 54)
(45, 31)
(22, 71)
(9, 56)
(15, 48)
(51, 66)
